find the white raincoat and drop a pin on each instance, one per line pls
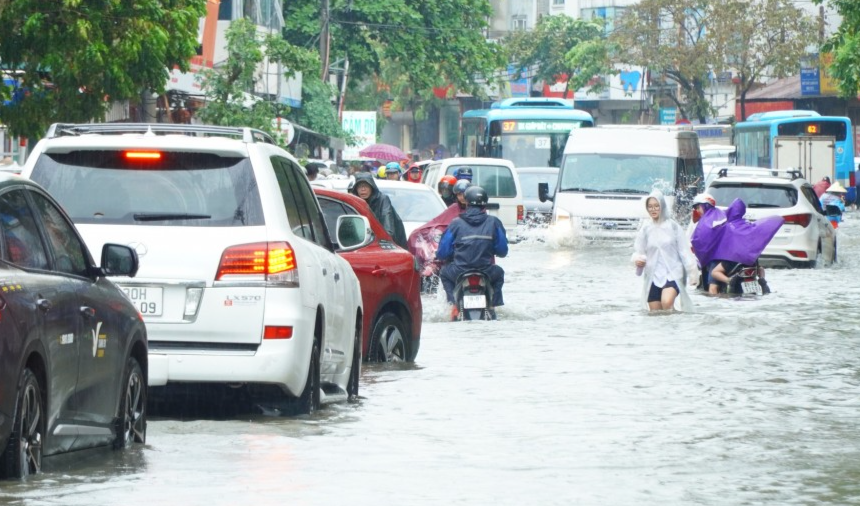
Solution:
(667, 253)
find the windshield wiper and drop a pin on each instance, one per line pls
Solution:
(626, 190)
(592, 190)
(169, 216)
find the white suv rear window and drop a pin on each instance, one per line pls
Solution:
(755, 195)
(176, 189)
(496, 180)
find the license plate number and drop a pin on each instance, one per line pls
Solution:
(474, 302)
(147, 299)
(751, 287)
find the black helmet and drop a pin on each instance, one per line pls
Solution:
(476, 196)
(464, 173)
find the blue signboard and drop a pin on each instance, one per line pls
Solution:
(810, 79)
(518, 87)
(667, 115)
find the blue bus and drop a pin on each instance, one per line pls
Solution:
(755, 140)
(530, 132)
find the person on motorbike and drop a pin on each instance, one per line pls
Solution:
(413, 173)
(464, 173)
(833, 203)
(393, 171)
(365, 187)
(446, 189)
(471, 242)
(460, 193)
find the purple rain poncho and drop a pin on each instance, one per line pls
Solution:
(726, 235)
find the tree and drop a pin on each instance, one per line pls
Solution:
(229, 87)
(844, 44)
(317, 112)
(759, 38)
(73, 57)
(561, 47)
(410, 45)
(670, 38)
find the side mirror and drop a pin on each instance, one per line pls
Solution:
(543, 192)
(353, 232)
(119, 260)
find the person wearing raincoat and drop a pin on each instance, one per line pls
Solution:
(365, 187)
(662, 255)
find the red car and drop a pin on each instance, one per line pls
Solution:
(390, 284)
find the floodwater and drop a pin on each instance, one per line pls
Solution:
(575, 396)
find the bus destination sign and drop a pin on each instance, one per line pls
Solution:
(538, 126)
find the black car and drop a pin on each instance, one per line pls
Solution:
(73, 349)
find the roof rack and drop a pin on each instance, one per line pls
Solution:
(792, 173)
(248, 135)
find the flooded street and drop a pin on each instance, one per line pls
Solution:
(576, 396)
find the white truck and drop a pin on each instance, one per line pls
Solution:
(814, 157)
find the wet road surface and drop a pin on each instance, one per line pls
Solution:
(575, 396)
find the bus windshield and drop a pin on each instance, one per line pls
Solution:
(603, 173)
(531, 143)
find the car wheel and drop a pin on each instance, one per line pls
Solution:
(355, 371)
(131, 422)
(310, 398)
(388, 341)
(23, 455)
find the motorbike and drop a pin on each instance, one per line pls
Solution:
(473, 295)
(744, 280)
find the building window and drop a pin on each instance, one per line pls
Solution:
(519, 22)
(558, 2)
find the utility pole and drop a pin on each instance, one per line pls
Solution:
(324, 39)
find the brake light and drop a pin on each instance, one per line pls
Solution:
(798, 254)
(143, 155)
(271, 261)
(798, 219)
(474, 281)
(277, 332)
(521, 215)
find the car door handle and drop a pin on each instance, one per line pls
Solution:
(44, 304)
(87, 312)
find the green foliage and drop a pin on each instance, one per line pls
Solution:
(560, 45)
(413, 45)
(74, 57)
(317, 112)
(845, 46)
(229, 88)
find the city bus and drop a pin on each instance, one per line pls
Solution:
(816, 145)
(530, 132)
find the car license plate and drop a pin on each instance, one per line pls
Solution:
(751, 287)
(147, 299)
(474, 302)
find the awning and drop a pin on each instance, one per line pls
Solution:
(332, 142)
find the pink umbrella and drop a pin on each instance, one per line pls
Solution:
(383, 152)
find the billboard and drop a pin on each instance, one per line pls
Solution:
(362, 125)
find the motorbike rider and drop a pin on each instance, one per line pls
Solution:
(471, 242)
(393, 171)
(460, 193)
(446, 189)
(365, 187)
(464, 173)
(833, 203)
(413, 173)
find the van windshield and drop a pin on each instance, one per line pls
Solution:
(603, 173)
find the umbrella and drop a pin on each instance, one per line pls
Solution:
(383, 152)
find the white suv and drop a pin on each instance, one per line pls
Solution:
(806, 239)
(239, 282)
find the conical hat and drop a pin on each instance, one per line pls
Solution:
(837, 188)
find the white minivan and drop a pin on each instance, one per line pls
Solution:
(607, 171)
(495, 175)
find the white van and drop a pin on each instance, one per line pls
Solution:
(607, 171)
(495, 175)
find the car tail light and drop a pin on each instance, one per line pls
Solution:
(521, 215)
(277, 332)
(798, 254)
(798, 219)
(273, 262)
(143, 155)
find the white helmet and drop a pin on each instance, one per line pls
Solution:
(704, 198)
